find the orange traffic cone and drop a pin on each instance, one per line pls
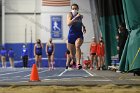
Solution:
(34, 73)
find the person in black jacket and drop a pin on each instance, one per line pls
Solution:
(121, 38)
(24, 56)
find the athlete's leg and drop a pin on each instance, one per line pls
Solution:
(36, 60)
(99, 63)
(98, 60)
(102, 61)
(67, 56)
(92, 59)
(11, 62)
(78, 44)
(49, 62)
(26, 61)
(40, 61)
(95, 61)
(68, 61)
(74, 59)
(3, 59)
(23, 59)
(71, 48)
(52, 61)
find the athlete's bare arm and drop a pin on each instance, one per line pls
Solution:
(46, 48)
(53, 49)
(34, 49)
(84, 28)
(70, 21)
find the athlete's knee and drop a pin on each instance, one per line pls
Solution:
(77, 46)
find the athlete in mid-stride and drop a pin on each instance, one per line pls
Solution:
(75, 35)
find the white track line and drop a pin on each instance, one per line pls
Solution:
(5, 79)
(38, 72)
(83, 69)
(89, 73)
(11, 73)
(62, 73)
(69, 79)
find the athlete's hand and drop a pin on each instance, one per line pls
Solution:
(84, 30)
(78, 15)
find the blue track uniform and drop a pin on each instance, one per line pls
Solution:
(50, 49)
(11, 53)
(3, 53)
(38, 49)
(75, 31)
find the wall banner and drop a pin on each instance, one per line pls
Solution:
(56, 27)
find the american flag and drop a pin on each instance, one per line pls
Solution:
(56, 2)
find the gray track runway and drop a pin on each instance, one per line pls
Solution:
(23, 75)
(60, 76)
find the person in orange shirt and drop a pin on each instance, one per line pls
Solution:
(100, 53)
(93, 49)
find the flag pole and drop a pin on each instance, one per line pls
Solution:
(26, 34)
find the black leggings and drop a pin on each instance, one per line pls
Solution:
(25, 61)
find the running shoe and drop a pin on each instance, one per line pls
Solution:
(79, 66)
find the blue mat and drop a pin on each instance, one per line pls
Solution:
(58, 63)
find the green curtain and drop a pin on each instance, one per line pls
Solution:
(130, 61)
(110, 14)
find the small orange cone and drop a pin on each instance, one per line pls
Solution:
(34, 73)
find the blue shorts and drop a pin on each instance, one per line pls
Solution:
(39, 54)
(72, 38)
(49, 53)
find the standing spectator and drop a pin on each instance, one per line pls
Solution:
(100, 53)
(3, 54)
(11, 57)
(93, 49)
(38, 52)
(24, 56)
(121, 38)
(50, 48)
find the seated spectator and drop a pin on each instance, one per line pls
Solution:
(87, 63)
